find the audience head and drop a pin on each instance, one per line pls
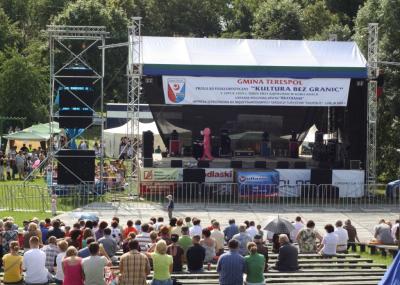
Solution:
(252, 224)
(145, 228)
(283, 238)
(347, 223)
(339, 223)
(107, 231)
(247, 223)
(257, 238)
(34, 242)
(160, 219)
(161, 247)
(71, 251)
(206, 233)
(89, 224)
(116, 219)
(52, 240)
(179, 222)
(56, 224)
(174, 238)
(397, 222)
(87, 233)
(231, 221)
(195, 239)
(133, 245)
(114, 224)
(329, 228)
(196, 221)
(32, 227)
(103, 225)
(129, 223)
(298, 219)
(215, 225)
(233, 244)
(172, 222)
(90, 240)
(185, 230)
(62, 245)
(242, 228)
(131, 235)
(153, 236)
(14, 246)
(382, 221)
(138, 222)
(94, 248)
(188, 219)
(153, 220)
(252, 247)
(258, 227)
(310, 224)
(164, 230)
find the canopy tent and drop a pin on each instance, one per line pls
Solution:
(27, 136)
(251, 58)
(44, 128)
(112, 137)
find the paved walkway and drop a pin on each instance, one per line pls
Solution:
(363, 221)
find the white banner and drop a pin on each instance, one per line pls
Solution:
(219, 175)
(350, 182)
(185, 90)
(291, 180)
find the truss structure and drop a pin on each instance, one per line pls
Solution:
(134, 74)
(89, 37)
(372, 102)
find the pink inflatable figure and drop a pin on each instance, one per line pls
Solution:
(206, 144)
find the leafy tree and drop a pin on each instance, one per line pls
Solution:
(345, 9)
(43, 11)
(278, 19)
(238, 19)
(9, 34)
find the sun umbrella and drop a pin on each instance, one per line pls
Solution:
(86, 216)
(279, 226)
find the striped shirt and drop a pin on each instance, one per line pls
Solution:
(144, 240)
(135, 266)
(231, 267)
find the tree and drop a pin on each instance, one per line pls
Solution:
(9, 34)
(43, 11)
(278, 19)
(238, 18)
(345, 9)
(23, 88)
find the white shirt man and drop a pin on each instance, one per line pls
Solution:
(219, 238)
(252, 230)
(298, 225)
(196, 230)
(35, 264)
(342, 235)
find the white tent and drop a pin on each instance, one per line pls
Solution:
(112, 137)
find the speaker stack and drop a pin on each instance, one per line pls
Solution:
(148, 148)
(75, 166)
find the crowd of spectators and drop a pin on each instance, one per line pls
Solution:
(82, 252)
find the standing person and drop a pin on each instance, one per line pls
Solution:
(255, 264)
(176, 252)
(288, 255)
(93, 266)
(162, 264)
(51, 250)
(12, 266)
(231, 265)
(209, 245)
(59, 277)
(342, 237)
(298, 225)
(218, 236)
(72, 267)
(195, 256)
(231, 230)
(329, 242)
(243, 238)
(170, 206)
(307, 238)
(2, 160)
(35, 264)
(134, 266)
(20, 163)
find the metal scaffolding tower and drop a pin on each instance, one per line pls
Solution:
(134, 74)
(60, 45)
(372, 102)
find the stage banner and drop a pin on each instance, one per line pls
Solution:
(350, 182)
(161, 174)
(186, 90)
(258, 184)
(291, 181)
(219, 175)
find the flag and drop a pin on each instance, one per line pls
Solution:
(392, 275)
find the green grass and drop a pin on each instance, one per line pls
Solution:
(20, 216)
(377, 258)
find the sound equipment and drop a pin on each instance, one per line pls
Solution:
(76, 97)
(355, 164)
(203, 164)
(300, 165)
(319, 137)
(148, 144)
(321, 176)
(244, 153)
(194, 175)
(75, 118)
(147, 162)
(260, 164)
(176, 163)
(236, 164)
(294, 149)
(225, 143)
(75, 166)
(282, 165)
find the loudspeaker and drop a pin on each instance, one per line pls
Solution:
(260, 164)
(236, 164)
(194, 175)
(321, 176)
(282, 164)
(147, 162)
(319, 137)
(75, 166)
(75, 118)
(81, 97)
(225, 143)
(300, 165)
(203, 164)
(176, 163)
(148, 144)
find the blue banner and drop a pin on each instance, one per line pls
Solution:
(258, 184)
(392, 275)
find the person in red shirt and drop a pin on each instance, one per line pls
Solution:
(129, 229)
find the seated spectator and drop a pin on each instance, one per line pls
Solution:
(195, 256)
(32, 232)
(44, 230)
(9, 234)
(99, 233)
(260, 231)
(109, 244)
(231, 230)
(383, 233)
(251, 230)
(352, 233)
(134, 266)
(164, 234)
(218, 236)
(188, 222)
(51, 250)
(307, 238)
(178, 229)
(116, 232)
(75, 238)
(185, 241)
(55, 230)
(162, 264)
(261, 248)
(35, 264)
(329, 242)
(138, 226)
(72, 267)
(298, 225)
(172, 223)
(231, 265)
(87, 233)
(196, 230)
(342, 237)
(84, 252)
(275, 243)
(243, 238)
(254, 265)
(288, 255)
(176, 252)
(144, 238)
(12, 265)
(62, 247)
(125, 244)
(93, 266)
(154, 239)
(159, 223)
(209, 245)
(396, 232)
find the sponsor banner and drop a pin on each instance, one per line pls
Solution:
(186, 90)
(219, 175)
(152, 188)
(161, 174)
(350, 182)
(258, 184)
(291, 180)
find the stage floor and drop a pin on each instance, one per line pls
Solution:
(247, 162)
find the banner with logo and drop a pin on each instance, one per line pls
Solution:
(350, 182)
(258, 184)
(219, 175)
(291, 181)
(187, 90)
(161, 174)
